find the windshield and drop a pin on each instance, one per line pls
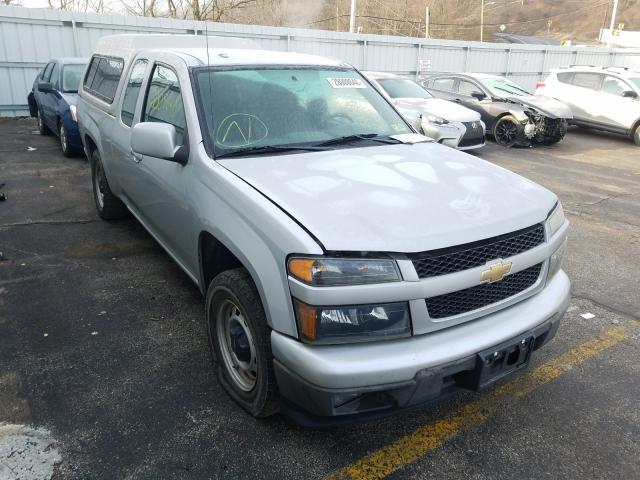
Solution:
(403, 88)
(249, 108)
(71, 76)
(501, 86)
(636, 82)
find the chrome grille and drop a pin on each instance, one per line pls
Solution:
(479, 296)
(469, 255)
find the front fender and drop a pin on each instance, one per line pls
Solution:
(255, 230)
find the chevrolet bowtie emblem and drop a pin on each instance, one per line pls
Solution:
(496, 272)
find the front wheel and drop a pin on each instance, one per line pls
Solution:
(240, 342)
(506, 131)
(636, 135)
(67, 150)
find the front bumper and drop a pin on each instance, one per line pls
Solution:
(320, 382)
(454, 135)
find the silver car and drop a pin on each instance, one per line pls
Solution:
(446, 122)
(350, 266)
(602, 98)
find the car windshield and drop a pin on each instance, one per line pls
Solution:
(247, 109)
(71, 76)
(403, 88)
(501, 86)
(636, 81)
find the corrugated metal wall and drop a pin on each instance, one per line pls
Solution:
(30, 37)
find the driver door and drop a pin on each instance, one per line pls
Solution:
(465, 89)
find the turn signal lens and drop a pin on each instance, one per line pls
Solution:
(307, 319)
(302, 268)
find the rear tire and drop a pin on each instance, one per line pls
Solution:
(108, 205)
(42, 128)
(240, 342)
(636, 135)
(506, 131)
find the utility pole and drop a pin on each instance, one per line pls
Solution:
(427, 18)
(352, 17)
(481, 19)
(613, 22)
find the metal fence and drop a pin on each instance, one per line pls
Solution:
(30, 37)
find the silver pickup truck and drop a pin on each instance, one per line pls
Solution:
(351, 267)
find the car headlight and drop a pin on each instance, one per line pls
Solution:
(555, 262)
(72, 109)
(555, 220)
(342, 271)
(434, 119)
(355, 323)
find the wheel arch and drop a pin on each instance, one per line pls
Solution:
(214, 258)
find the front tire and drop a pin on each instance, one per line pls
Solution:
(506, 131)
(240, 342)
(636, 135)
(108, 205)
(63, 135)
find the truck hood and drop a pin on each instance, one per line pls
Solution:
(435, 106)
(546, 105)
(396, 198)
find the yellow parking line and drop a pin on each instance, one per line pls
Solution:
(411, 447)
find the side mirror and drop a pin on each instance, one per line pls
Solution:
(158, 140)
(45, 87)
(478, 95)
(629, 94)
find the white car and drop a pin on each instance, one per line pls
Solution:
(446, 122)
(601, 98)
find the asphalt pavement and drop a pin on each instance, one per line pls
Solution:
(105, 371)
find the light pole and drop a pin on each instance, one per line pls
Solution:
(613, 22)
(352, 17)
(482, 18)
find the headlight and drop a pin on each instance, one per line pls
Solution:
(356, 323)
(434, 119)
(72, 109)
(339, 271)
(555, 220)
(555, 262)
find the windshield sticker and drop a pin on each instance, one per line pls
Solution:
(240, 130)
(346, 82)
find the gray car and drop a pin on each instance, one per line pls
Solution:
(351, 267)
(512, 115)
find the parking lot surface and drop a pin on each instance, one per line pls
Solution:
(103, 346)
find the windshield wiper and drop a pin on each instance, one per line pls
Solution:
(270, 149)
(372, 137)
(524, 92)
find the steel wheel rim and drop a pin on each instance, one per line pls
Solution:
(236, 345)
(99, 182)
(63, 138)
(506, 132)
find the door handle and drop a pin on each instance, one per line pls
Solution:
(136, 156)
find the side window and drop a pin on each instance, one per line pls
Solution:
(587, 80)
(614, 85)
(55, 73)
(103, 76)
(565, 77)
(46, 73)
(132, 91)
(444, 84)
(467, 88)
(164, 101)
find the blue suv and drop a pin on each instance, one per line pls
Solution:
(53, 98)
